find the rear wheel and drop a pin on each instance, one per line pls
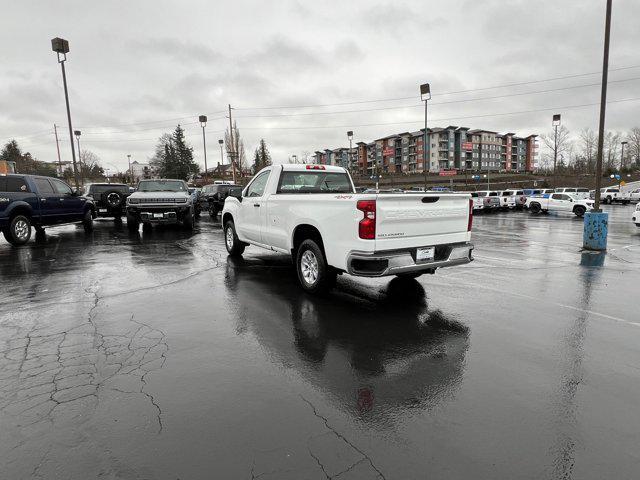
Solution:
(314, 274)
(19, 230)
(234, 246)
(189, 219)
(213, 213)
(579, 210)
(535, 208)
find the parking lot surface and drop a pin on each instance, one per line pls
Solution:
(154, 356)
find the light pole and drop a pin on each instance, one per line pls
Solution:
(622, 159)
(130, 174)
(61, 47)
(425, 96)
(596, 223)
(556, 123)
(203, 123)
(221, 142)
(77, 133)
(350, 137)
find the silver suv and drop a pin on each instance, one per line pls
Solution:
(162, 201)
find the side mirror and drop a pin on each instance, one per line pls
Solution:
(236, 192)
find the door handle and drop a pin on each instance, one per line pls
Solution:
(62, 199)
(43, 200)
(256, 204)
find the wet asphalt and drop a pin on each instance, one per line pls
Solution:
(155, 356)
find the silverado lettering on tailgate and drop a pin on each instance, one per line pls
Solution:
(436, 213)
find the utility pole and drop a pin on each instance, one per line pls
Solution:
(55, 132)
(203, 124)
(77, 134)
(622, 157)
(232, 147)
(596, 223)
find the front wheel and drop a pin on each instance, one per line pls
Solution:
(87, 221)
(579, 211)
(189, 220)
(234, 246)
(132, 223)
(19, 230)
(314, 274)
(213, 213)
(535, 208)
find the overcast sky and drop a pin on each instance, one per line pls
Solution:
(136, 69)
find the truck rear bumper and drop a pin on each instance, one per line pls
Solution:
(395, 262)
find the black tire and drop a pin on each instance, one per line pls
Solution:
(235, 247)
(535, 208)
(189, 219)
(132, 223)
(314, 275)
(213, 213)
(608, 201)
(87, 221)
(117, 219)
(579, 210)
(19, 230)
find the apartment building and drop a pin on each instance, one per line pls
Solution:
(448, 148)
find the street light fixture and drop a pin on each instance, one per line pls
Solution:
(221, 142)
(77, 133)
(555, 123)
(425, 96)
(130, 172)
(61, 47)
(203, 123)
(350, 137)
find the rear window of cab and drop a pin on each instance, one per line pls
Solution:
(13, 185)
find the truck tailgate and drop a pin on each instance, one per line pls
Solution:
(413, 220)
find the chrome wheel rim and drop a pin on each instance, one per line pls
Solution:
(309, 267)
(21, 229)
(229, 237)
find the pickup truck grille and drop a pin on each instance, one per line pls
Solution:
(163, 200)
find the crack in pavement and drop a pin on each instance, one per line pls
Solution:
(365, 457)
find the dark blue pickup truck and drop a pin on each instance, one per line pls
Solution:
(29, 200)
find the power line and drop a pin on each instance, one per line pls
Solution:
(565, 107)
(453, 92)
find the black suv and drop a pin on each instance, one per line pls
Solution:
(110, 198)
(213, 196)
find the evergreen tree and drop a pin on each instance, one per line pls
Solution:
(173, 157)
(262, 157)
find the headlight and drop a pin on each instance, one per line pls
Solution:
(181, 200)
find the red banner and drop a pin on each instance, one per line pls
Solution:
(388, 152)
(467, 146)
(447, 173)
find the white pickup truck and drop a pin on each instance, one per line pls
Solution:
(313, 213)
(559, 202)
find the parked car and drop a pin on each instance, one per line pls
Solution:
(213, 197)
(163, 201)
(490, 199)
(519, 197)
(559, 202)
(507, 200)
(529, 192)
(634, 195)
(577, 191)
(635, 218)
(29, 200)
(313, 213)
(609, 195)
(110, 199)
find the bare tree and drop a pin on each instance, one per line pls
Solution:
(611, 147)
(588, 148)
(561, 144)
(236, 148)
(633, 137)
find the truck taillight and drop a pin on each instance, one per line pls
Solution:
(470, 215)
(367, 226)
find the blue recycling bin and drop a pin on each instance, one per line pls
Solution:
(596, 228)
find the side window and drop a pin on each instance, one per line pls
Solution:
(256, 189)
(61, 187)
(3, 184)
(566, 197)
(16, 184)
(557, 196)
(44, 187)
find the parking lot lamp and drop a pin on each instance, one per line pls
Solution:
(596, 223)
(622, 156)
(77, 133)
(350, 137)
(203, 123)
(129, 172)
(221, 142)
(425, 96)
(556, 123)
(61, 47)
